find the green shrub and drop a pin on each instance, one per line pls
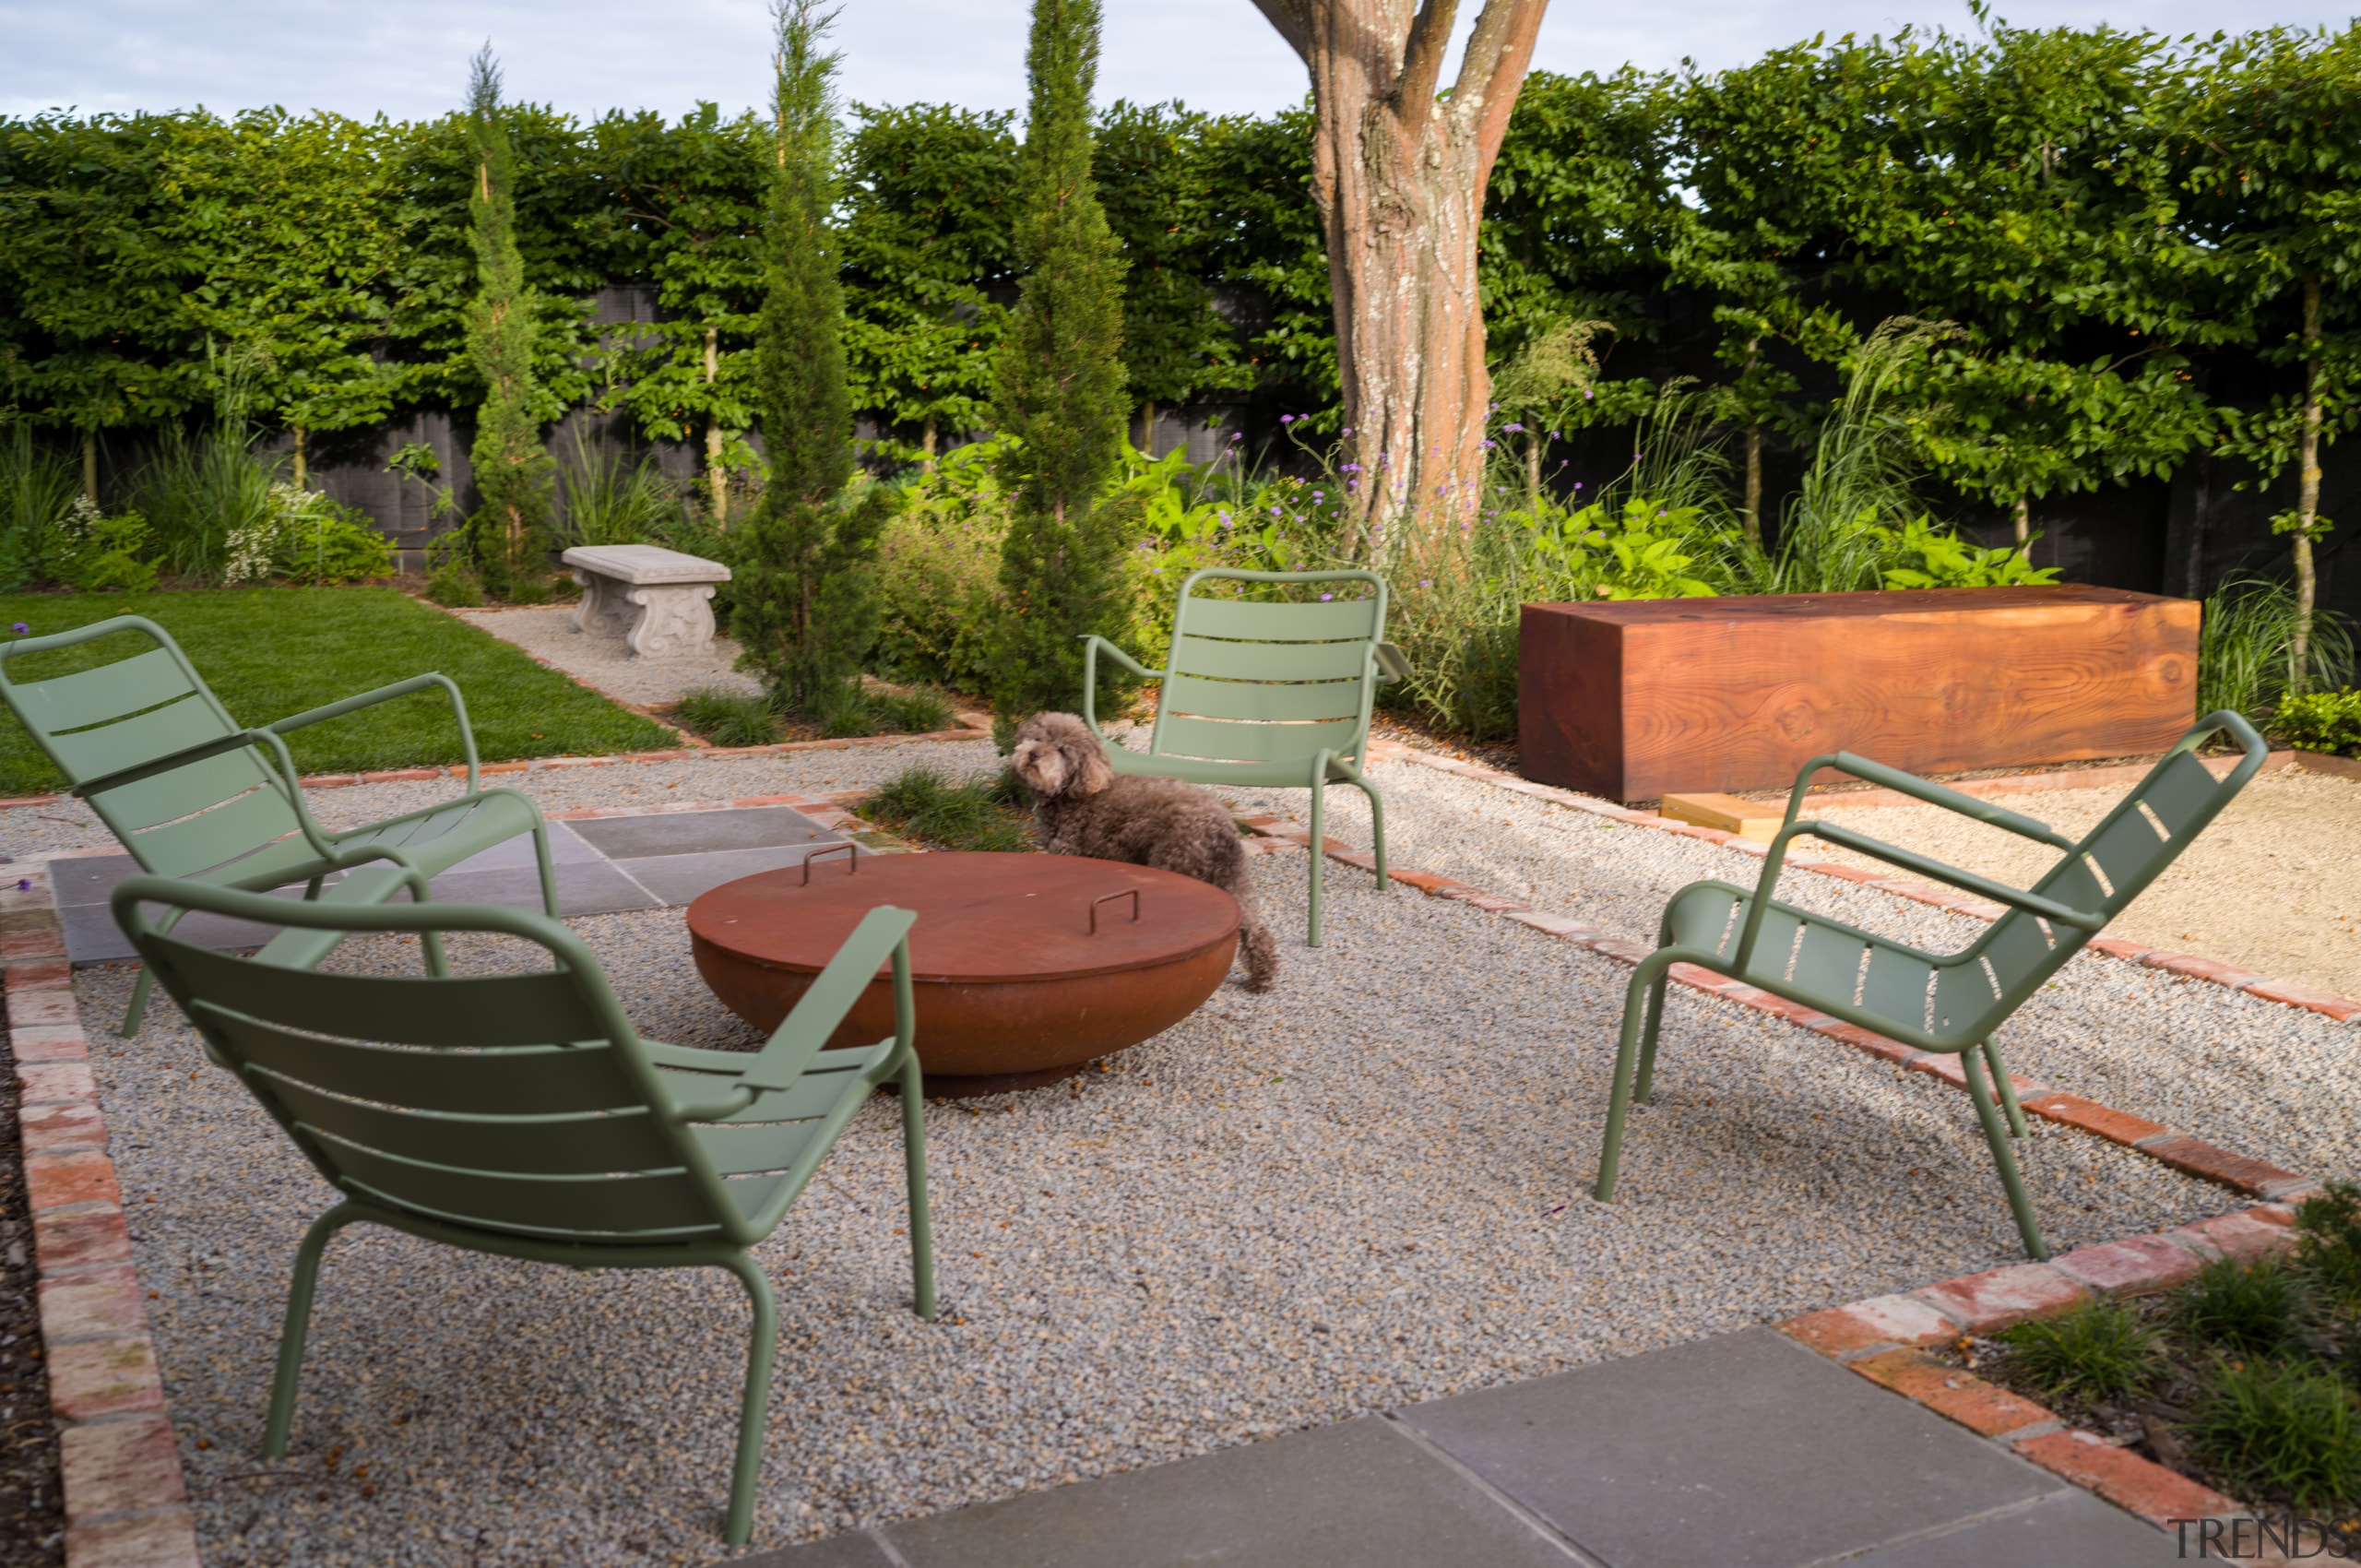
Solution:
(2320, 721)
(916, 712)
(2278, 1430)
(90, 552)
(2328, 1233)
(938, 565)
(2252, 1308)
(982, 813)
(728, 718)
(453, 583)
(305, 537)
(2246, 647)
(2100, 1350)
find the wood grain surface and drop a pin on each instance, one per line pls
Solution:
(1629, 700)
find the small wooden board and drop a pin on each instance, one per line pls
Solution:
(1757, 820)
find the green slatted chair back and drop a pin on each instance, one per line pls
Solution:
(2115, 863)
(1254, 682)
(145, 705)
(523, 1105)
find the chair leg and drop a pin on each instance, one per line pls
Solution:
(2008, 1090)
(1650, 974)
(438, 962)
(1319, 845)
(914, 1173)
(298, 1327)
(756, 1401)
(1995, 1134)
(1649, 1034)
(1377, 831)
(549, 875)
(142, 988)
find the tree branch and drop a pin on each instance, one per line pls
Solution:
(1423, 56)
(1293, 19)
(1500, 50)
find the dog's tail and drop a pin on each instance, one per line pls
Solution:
(1259, 948)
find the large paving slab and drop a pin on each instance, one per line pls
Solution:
(1745, 1451)
(1742, 1450)
(603, 865)
(1359, 1494)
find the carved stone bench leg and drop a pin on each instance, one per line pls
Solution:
(672, 619)
(604, 611)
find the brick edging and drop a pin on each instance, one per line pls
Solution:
(1885, 1338)
(125, 1498)
(2286, 992)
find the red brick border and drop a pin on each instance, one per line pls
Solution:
(125, 1501)
(1884, 1338)
(2288, 993)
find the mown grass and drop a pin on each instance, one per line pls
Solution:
(271, 652)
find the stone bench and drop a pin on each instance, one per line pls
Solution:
(657, 599)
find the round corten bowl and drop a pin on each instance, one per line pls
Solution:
(1013, 986)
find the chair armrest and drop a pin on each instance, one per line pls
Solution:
(1393, 664)
(167, 762)
(1934, 794)
(1091, 644)
(387, 694)
(221, 744)
(1998, 892)
(882, 935)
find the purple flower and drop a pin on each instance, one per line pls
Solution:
(1348, 430)
(1508, 428)
(1490, 445)
(1235, 436)
(1223, 516)
(1578, 484)
(1553, 435)
(1352, 468)
(1287, 418)
(1326, 597)
(20, 628)
(1315, 495)
(1425, 582)
(1588, 394)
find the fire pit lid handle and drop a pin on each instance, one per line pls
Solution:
(1130, 893)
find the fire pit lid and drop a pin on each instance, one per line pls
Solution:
(983, 917)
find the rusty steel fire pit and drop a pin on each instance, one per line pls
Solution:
(1026, 967)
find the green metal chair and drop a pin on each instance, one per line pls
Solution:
(192, 793)
(1936, 1002)
(1261, 694)
(521, 1115)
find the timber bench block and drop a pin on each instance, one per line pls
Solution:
(1636, 699)
(659, 601)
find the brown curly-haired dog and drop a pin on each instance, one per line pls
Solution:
(1086, 808)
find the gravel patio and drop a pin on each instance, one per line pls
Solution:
(1362, 1189)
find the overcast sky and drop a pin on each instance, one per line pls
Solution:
(408, 58)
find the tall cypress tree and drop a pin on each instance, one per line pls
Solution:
(808, 608)
(515, 478)
(1060, 386)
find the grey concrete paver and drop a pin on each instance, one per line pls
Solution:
(2067, 1528)
(1358, 1494)
(1744, 1450)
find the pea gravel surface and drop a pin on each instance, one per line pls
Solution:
(608, 663)
(1364, 1188)
(2260, 1078)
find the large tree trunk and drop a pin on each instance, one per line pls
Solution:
(1399, 173)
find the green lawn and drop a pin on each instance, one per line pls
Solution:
(270, 652)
